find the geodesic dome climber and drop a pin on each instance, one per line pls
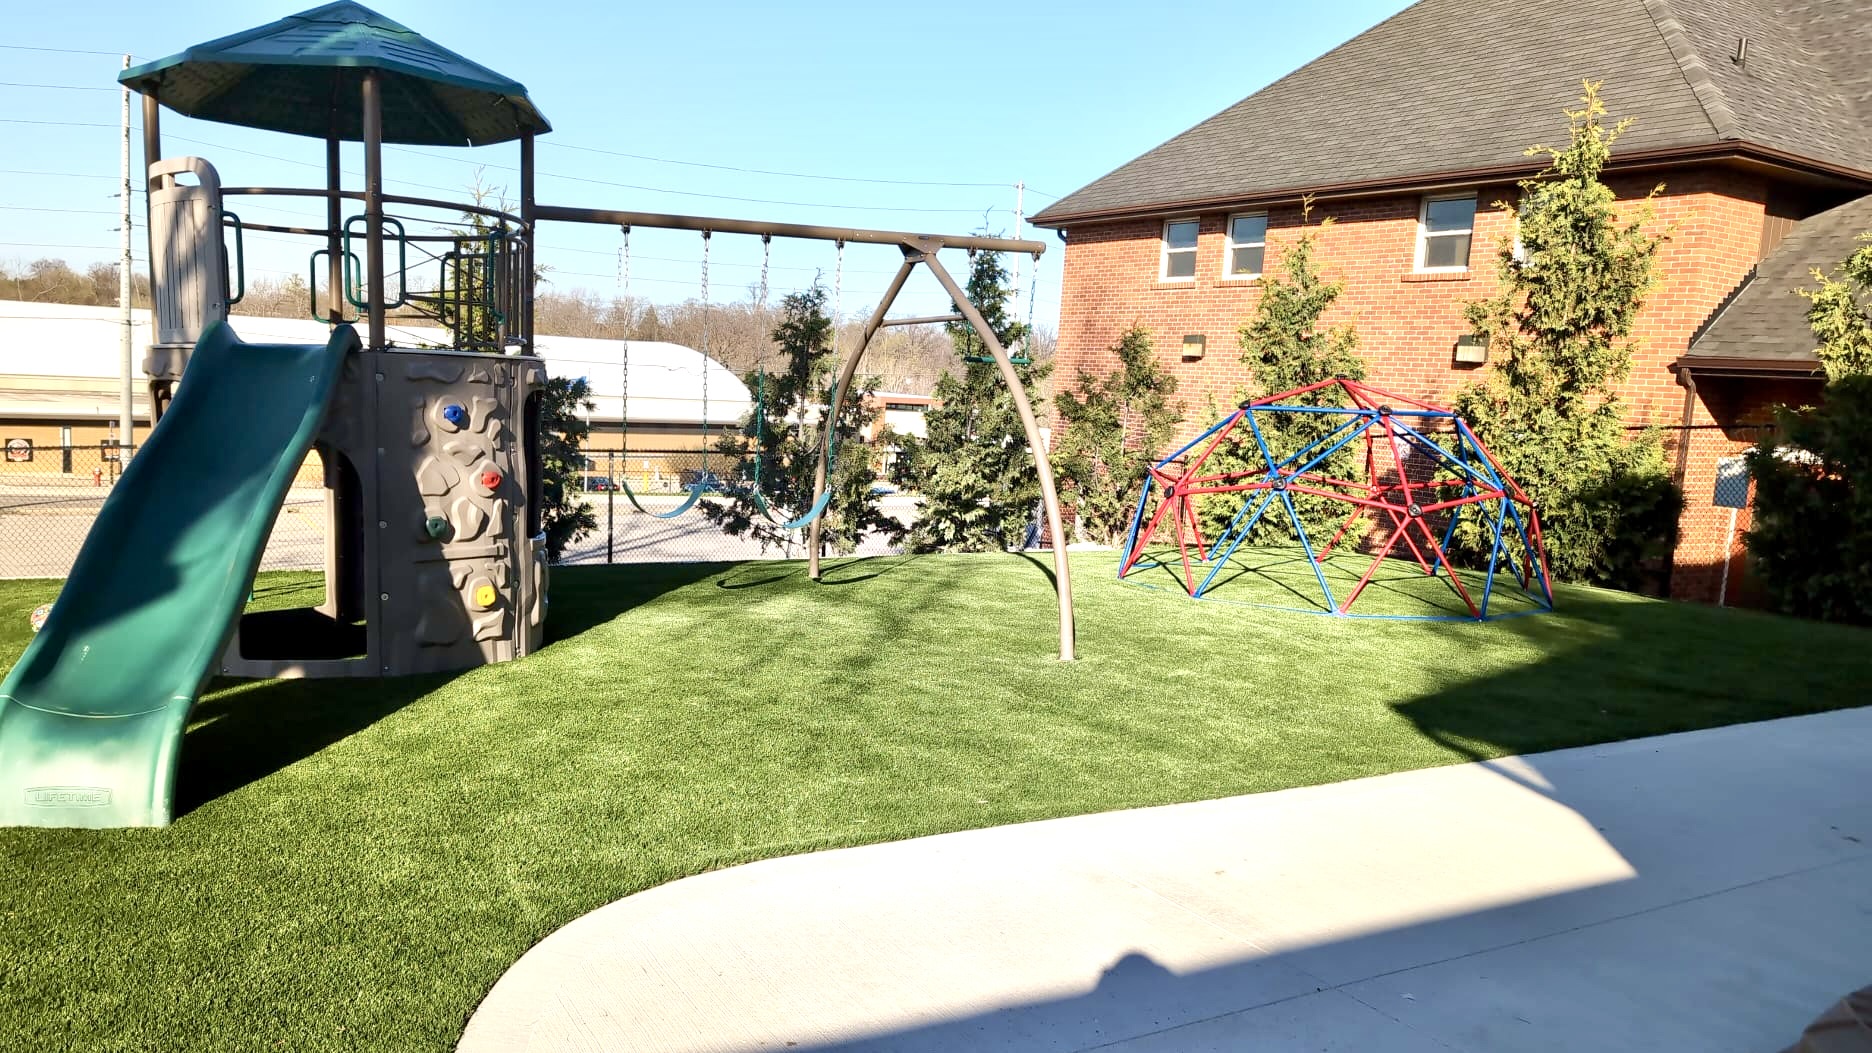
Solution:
(1424, 472)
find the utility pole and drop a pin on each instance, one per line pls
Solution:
(126, 411)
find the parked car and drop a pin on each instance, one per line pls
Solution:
(709, 481)
(596, 484)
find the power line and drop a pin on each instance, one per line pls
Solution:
(59, 124)
(697, 193)
(718, 263)
(771, 201)
(67, 175)
(72, 211)
(55, 87)
(777, 172)
(60, 51)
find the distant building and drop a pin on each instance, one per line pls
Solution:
(1754, 115)
(60, 379)
(903, 413)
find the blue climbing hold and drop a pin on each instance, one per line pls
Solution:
(455, 415)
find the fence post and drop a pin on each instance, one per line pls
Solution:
(611, 503)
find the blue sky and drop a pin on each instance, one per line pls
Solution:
(971, 92)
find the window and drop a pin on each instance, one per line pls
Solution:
(1443, 233)
(1179, 251)
(1247, 245)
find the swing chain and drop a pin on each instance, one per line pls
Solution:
(766, 241)
(838, 300)
(624, 378)
(705, 358)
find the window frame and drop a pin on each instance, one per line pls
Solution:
(1229, 245)
(1424, 235)
(1164, 250)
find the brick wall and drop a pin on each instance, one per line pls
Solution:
(1407, 322)
(1729, 417)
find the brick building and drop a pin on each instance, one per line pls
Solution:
(1752, 114)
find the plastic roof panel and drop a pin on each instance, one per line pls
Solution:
(303, 75)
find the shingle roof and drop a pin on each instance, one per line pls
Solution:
(1458, 85)
(1765, 320)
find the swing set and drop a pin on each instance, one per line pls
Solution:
(704, 482)
(917, 250)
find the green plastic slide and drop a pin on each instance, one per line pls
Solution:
(91, 719)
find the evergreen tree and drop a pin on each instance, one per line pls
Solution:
(974, 470)
(1112, 431)
(1811, 536)
(785, 432)
(1839, 315)
(1285, 347)
(564, 517)
(1559, 335)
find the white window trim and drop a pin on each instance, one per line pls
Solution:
(1229, 245)
(1163, 249)
(1423, 233)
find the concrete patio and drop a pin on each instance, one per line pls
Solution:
(1709, 891)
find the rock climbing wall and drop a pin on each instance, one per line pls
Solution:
(429, 545)
(456, 575)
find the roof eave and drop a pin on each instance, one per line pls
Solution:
(1763, 368)
(1737, 150)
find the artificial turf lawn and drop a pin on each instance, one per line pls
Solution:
(357, 862)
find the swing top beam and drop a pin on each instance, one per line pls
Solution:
(855, 235)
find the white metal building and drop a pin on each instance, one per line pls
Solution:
(59, 370)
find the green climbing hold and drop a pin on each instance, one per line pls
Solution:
(438, 527)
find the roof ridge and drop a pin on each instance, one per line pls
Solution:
(1715, 106)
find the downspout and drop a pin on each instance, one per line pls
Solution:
(1687, 380)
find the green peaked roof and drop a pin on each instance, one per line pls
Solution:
(304, 74)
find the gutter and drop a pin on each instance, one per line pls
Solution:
(1735, 150)
(1761, 368)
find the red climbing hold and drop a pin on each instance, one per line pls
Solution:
(490, 479)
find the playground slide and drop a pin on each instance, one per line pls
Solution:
(91, 719)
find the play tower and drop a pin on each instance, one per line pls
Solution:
(434, 557)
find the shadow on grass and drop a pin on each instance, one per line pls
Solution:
(845, 571)
(1643, 667)
(587, 596)
(1045, 565)
(252, 728)
(1284, 578)
(248, 729)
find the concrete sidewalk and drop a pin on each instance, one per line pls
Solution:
(1708, 891)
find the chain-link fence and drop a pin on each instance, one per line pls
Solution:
(49, 503)
(631, 493)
